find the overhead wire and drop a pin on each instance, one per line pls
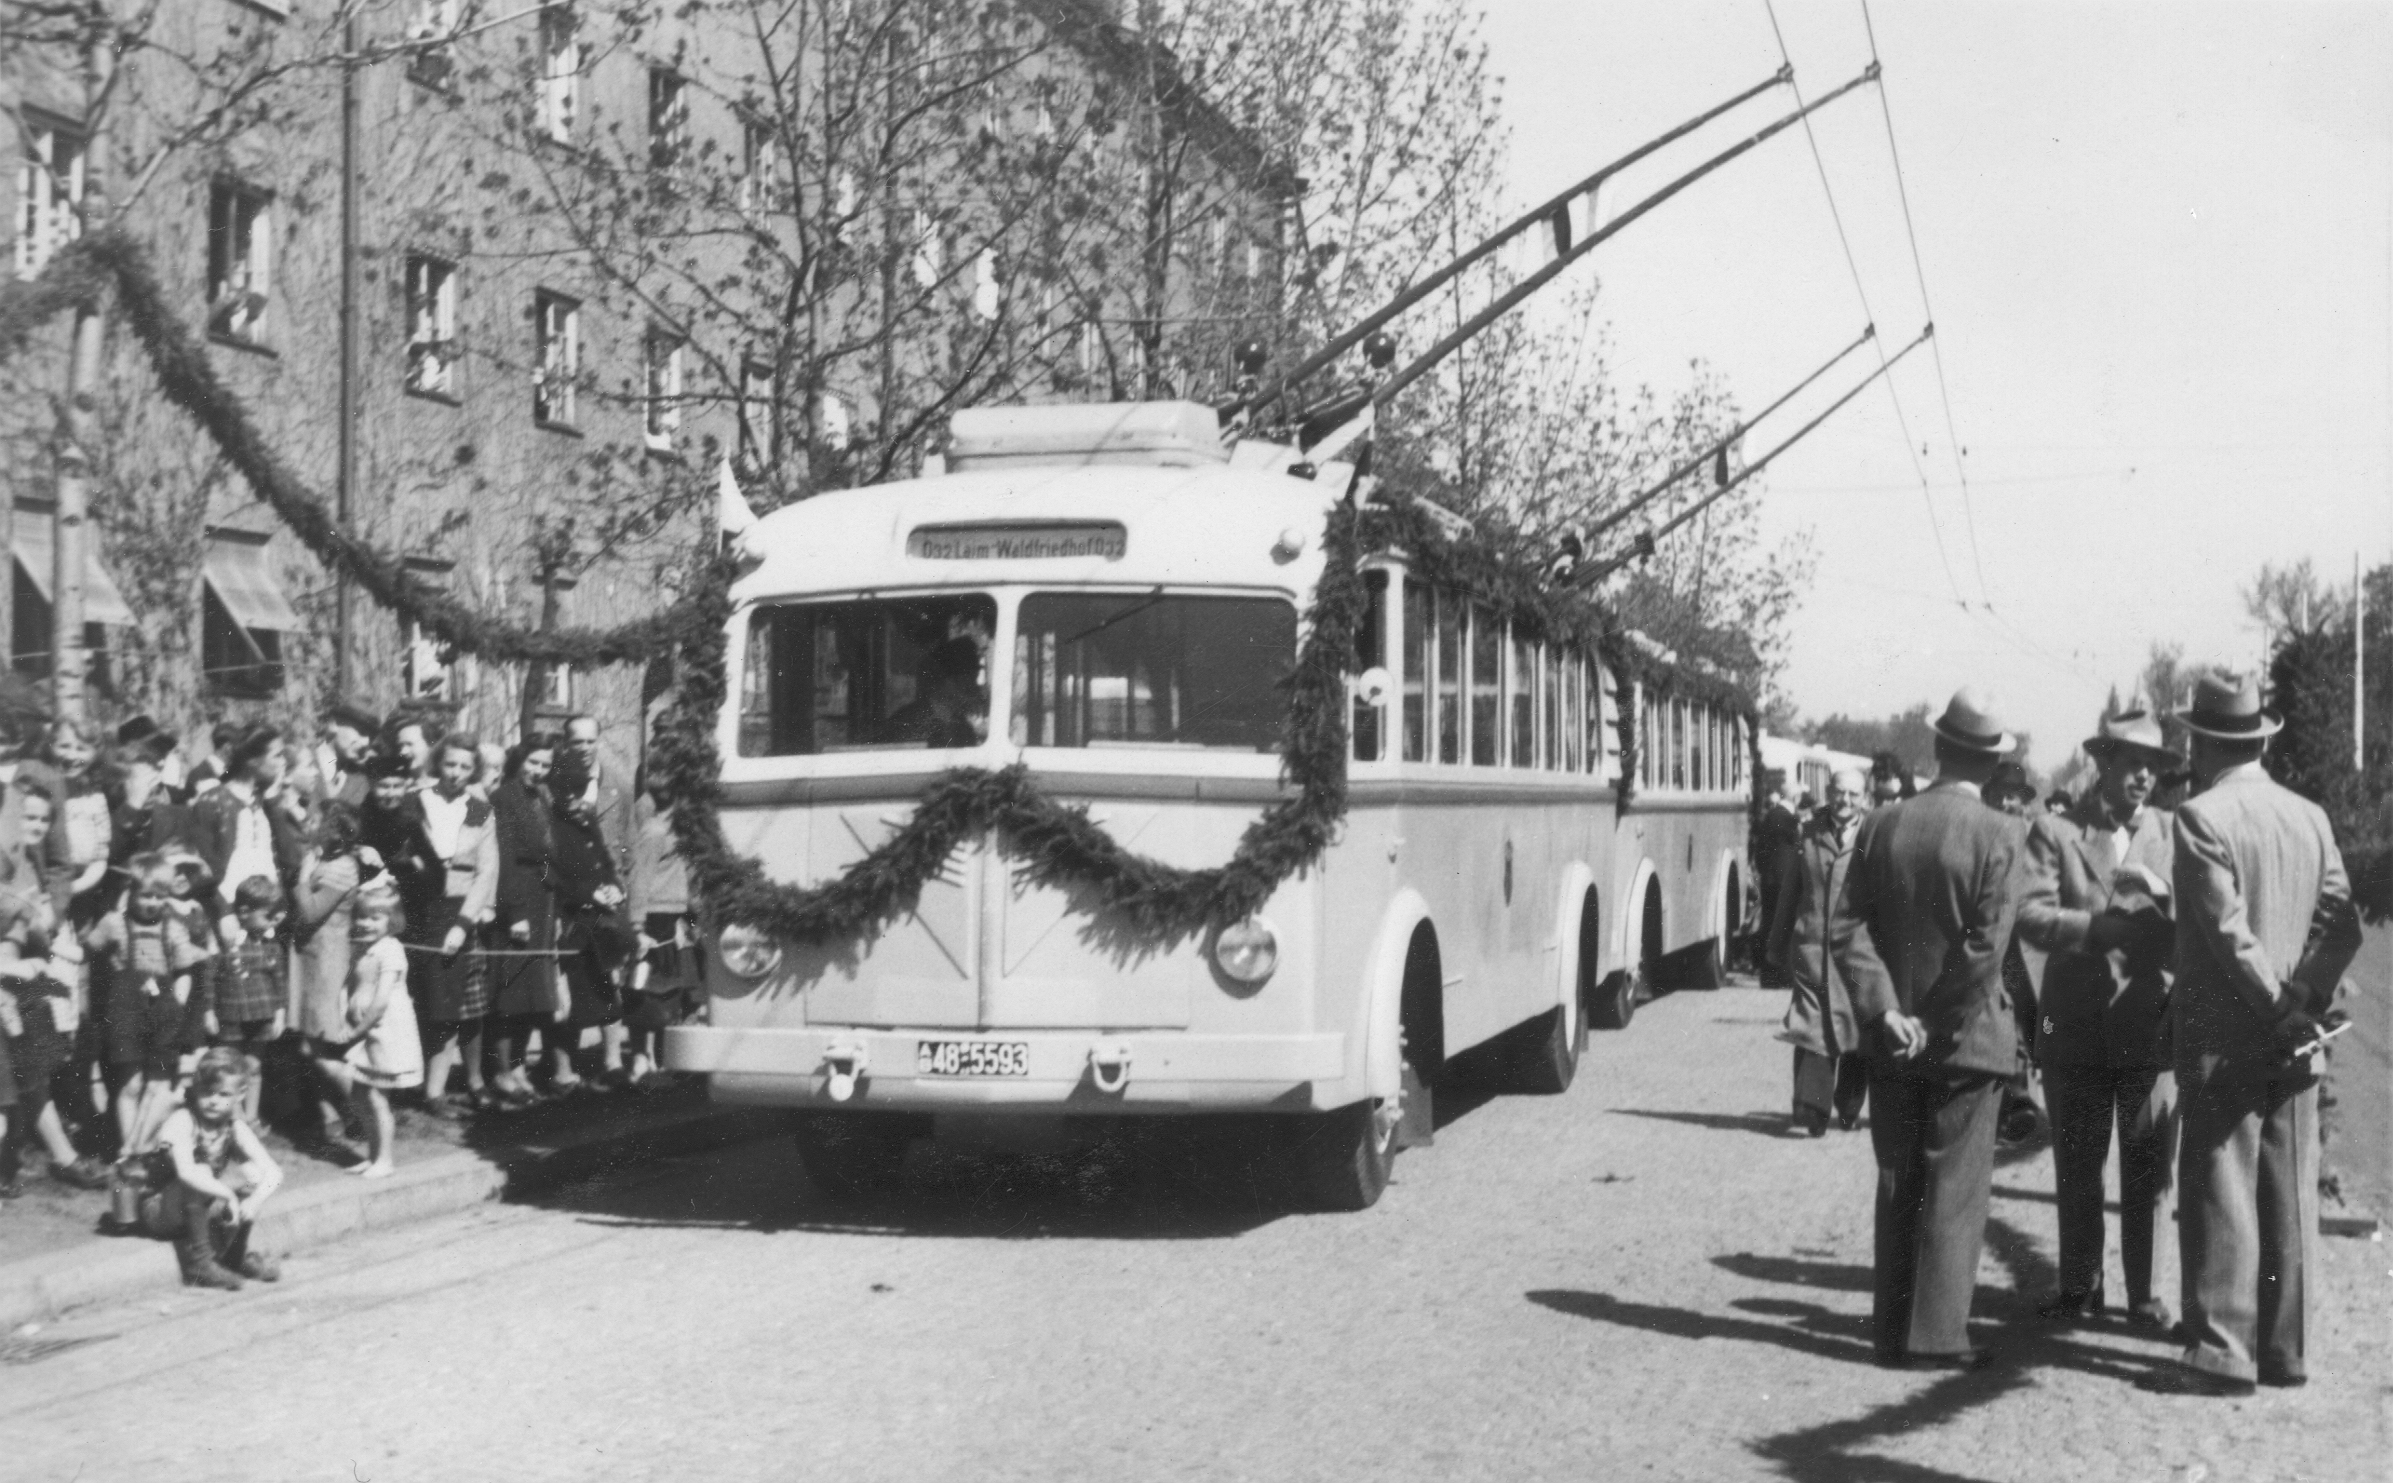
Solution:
(1919, 272)
(1983, 609)
(1853, 266)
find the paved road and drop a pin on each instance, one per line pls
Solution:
(1643, 1279)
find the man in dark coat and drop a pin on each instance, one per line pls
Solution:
(2265, 928)
(1928, 909)
(2097, 900)
(231, 827)
(1775, 843)
(1831, 1074)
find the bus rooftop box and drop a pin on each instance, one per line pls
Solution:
(1175, 435)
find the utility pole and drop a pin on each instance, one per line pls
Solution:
(345, 478)
(79, 429)
(2359, 668)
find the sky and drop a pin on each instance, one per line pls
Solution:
(2157, 243)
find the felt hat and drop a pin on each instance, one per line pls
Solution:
(355, 717)
(136, 728)
(2135, 728)
(2227, 707)
(1968, 722)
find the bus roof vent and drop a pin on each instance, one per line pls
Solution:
(1172, 435)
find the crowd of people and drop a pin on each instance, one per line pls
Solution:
(2192, 921)
(381, 914)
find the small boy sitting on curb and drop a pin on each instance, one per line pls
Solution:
(209, 1175)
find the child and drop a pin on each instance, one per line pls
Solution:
(385, 1053)
(251, 983)
(194, 888)
(141, 961)
(208, 1176)
(39, 968)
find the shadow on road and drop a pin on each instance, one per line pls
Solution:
(1767, 1124)
(1122, 1188)
(1837, 1451)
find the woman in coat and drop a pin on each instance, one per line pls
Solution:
(1830, 1074)
(455, 903)
(524, 991)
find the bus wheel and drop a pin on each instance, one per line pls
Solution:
(1344, 1157)
(851, 1155)
(1615, 1002)
(1549, 1052)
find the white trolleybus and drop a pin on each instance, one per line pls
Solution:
(1108, 596)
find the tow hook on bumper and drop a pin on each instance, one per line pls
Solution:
(846, 1063)
(1109, 1066)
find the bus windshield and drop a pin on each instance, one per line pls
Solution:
(1151, 669)
(866, 674)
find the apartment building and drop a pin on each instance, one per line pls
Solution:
(585, 254)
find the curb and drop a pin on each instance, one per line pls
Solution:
(43, 1287)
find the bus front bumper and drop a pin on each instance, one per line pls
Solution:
(1070, 1071)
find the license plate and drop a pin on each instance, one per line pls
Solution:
(971, 1058)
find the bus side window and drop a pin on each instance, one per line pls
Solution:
(1524, 702)
(1370, 649)
(1451, 648)
(1419, 620)
(1600, 738)
(1554, 706)
(1487, 687)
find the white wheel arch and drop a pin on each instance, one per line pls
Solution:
(1628, 914)
(1577, 881)
(1716, 915)
(1375, 1061)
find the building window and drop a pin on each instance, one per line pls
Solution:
(560, 72)
(556, 357)
(49, 192)
(988, 292)
(668, 118)
(760, 186)
(240, 261)
(431, 327)
(33, 522)
(930, 252)
(243, 619)
(428, 668)
(661, 412)
(431, 25)
(760, 413)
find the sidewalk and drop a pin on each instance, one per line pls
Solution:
(53, 1259)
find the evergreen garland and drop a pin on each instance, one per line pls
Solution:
(1057, 844)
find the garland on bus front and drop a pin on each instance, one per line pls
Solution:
(1056, 844)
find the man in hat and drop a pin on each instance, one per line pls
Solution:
(1929, 904)
(2265, 928)
(1831, 1076)
(2097, 901)
(1776, 844)
(349, 732)
(232, 829)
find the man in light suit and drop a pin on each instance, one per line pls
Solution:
(2097, 900)
(2265, 928)
(1929, 905)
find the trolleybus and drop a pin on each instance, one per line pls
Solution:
(1111, 597)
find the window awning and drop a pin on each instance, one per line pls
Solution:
(239, 576)
(102, 602)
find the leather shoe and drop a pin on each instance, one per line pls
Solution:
(2071, 1307)
(2152, 1313)
(1965, 1359)
(2185, 1380)
(2281, 1381)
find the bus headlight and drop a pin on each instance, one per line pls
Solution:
(1247, 950)
(748, 952)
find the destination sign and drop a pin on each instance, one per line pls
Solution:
(1049, 542)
